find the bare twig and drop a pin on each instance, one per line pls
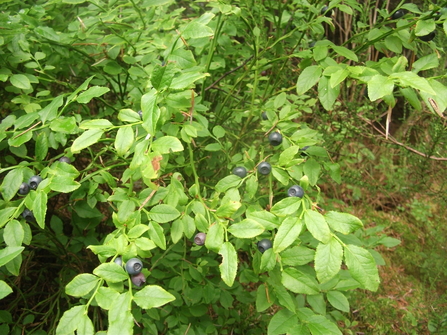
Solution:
(229, 72)
(147, 199)
(393, 140)
(30, 128)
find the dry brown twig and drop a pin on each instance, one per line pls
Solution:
(394, 141)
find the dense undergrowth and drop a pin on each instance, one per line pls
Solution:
(154, 102)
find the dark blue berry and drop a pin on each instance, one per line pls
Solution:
(295, 191)
(264, 168)
(240, 171)
(264, 245)
(134, 266)
(138, 279)
(200, 238)
(275, 138)
(324, 11)
(28, 215)
(24, 189)
(34, 181)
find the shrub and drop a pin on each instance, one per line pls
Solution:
(133, 184)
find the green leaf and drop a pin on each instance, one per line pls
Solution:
(92, 92)
(215, 237)
(152, 296)
(425, 63)
(184, 58)
(70, 321)
(41, 147)
(163, 213)
(9, 253)
(121, 320)
(320, 325)
(96, 123)
(286, 206)
(227, 208)
(287, 155)
(298, 255)
(167, 144)
(282, 322)
(288, 232)
(87, 139)
(312, 170)
(20, 81)
(267, 219)
(13, 234)
(316, 301)
(338, 300)
(111, 272)
(48, 33)
(65, 125)
(262, 300)
(162, 76)
(5, 289)
(49, 112)
(228, 267)
(156, 233)
(299, 282)
(25, 120)
(394, 44)
(281, 176)
(81, 285)
(64, 184)
(151, 113)
(412, 97)
(268, 260)
(343, 222)
(105, 297)
(82, 87)
(317, 226)
(6, 214)
(362, 266)
(284, 297)
(338, 76)
(328, 258)
(20, 138)
(124, 140)
(14, 265)
(327, 94)
(228, 182)
(411, 79)
(195, 29)
(137, 231)
(389, 242)
(342, 51)
(379, 86)
(424, 27)
(187, 80)
(40, 207)
(128, 115)
(11, 183)
(85, 326)
(308, 78)
(247, 228)
(144, 243)
(213, 147)
(219, 131)
(177, 230)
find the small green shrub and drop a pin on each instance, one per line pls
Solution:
(154, 103)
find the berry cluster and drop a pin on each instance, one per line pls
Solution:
(133, 267)
(264, 168)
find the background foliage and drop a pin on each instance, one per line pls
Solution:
(155, 102)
